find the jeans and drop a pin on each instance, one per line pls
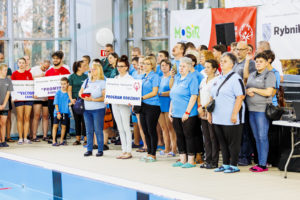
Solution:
(149, 118)
(122, 117)
(94, 121)
(260, 127)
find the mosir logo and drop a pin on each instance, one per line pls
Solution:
(136, 86)
(189, 32)
(246, 32)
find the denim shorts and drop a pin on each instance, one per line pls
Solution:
(23, 103)
(64, 120)
(4, 112)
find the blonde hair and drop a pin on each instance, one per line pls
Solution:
(152, 61)
(100, 72)
(207, 55)
(2, 66)
(194, 53)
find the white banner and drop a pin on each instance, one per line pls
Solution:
(244, 3)
(121, 92)
(279, 24)
(47, 86)
(190, 26)
(23, 91)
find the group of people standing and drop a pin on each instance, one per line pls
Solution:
(197, 104)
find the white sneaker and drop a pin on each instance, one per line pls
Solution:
(26, 141)
(20, 141)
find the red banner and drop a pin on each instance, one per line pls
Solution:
(244, 19)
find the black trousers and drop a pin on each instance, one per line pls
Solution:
(198, 137)
(79, 124)
(149, 118)
(210, 142)
(185, 132)
(229, 138)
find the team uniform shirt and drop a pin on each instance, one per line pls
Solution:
(137, 76)
(199, 67)
(264, 80)
(149, 82)
(56, 72)
(131, 70)
(36, 71)
(106, 68)
(239, 67)
(198, 76)
(76, 82)
(64, 65)
(277, 76)
(25, 76)
(164, 87)
(158, 71)
(114, 72)
(95, 89)
(278, 66)
(62, 100)
(181, 93)
(5, 86)
(225, 101)
(205, 88)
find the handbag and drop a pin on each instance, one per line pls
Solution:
(273, 112)
(79, 104)
(211, 105)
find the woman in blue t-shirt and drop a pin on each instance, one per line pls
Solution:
(150, 107)
(166, 82)
(93, 92)
(183, 112)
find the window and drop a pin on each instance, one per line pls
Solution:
(3, 18)
(130, 19)
(193, 4)
(155, 30)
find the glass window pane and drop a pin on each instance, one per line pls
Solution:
(130, 47)
(154, 46)
(40, 50)
(3, 18)
(41, 19)
(3, 52)
(130, 18)
(193, 4)
(156, 18)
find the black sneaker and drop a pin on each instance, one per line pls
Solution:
(100, 153)
(105, 147)
(88, 153)
(4, 144)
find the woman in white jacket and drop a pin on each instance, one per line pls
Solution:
(122, 112)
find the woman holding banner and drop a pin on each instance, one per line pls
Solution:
(122, 112)
(150, 107)
(23, 108)
(93, 92)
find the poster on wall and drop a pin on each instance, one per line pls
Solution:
(198, 26)
(279, 25)
(190, 26)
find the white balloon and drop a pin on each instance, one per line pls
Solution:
(104, 36)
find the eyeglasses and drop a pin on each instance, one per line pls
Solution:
(120, 66)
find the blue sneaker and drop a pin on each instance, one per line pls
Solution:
(177, 164)
(4, 144)
(232, 169)
(188, 165)
(222, 168)
(1, 144)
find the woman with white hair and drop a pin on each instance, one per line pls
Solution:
(183, 112)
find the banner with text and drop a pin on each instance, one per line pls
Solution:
(23, 91)
(47, 86)
(279, 25)
(123, 92)
(198, 26)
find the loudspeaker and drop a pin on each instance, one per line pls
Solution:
(225, 33)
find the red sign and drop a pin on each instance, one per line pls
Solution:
(102, 53)
(244, 19)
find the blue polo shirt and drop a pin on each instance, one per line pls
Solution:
(198, 76)
(137, 76)
(226, 99)
(149, 82)
(199, 67)
(131, 69)
(164, 87)
(62, 100)
(181, 93)
(277, 84)
(158, 71)
(95, 89)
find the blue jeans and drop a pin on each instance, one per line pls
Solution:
(94, 121)
(260, 127)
